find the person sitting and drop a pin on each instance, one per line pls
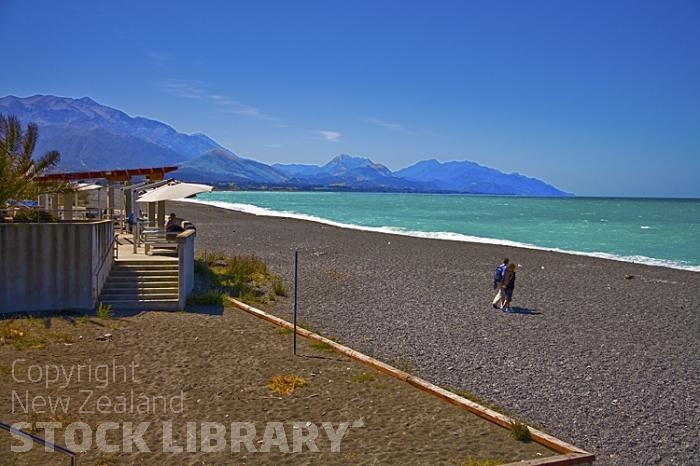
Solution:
(173, 225)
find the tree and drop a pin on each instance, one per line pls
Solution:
(18, 170)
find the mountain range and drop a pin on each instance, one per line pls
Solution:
(91, 136)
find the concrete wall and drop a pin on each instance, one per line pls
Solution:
(185, 249)
(53, 266)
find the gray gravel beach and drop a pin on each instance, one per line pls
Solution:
(593, 356)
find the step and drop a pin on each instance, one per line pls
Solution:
(134, 275)
(138, 287)
(168, 287)
(146, 267)
(145, 262)
(137, 296)
(144, 304)
(133, 284)
(117, 273)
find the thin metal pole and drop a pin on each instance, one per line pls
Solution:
(296, 262)
(52, 446)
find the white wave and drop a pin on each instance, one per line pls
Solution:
(645, 227)
(442, 235)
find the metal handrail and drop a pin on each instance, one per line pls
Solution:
(14, 430)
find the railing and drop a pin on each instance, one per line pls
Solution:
(15, 431)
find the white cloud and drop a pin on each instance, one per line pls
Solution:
(184, 89)
(386, 124)
(332, 136)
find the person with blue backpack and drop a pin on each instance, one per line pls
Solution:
(507, 287)
(497, 279)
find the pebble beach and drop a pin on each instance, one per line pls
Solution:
(600, 353)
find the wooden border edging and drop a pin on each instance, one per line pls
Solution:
(568, 454)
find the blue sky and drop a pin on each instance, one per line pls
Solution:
(595, 97)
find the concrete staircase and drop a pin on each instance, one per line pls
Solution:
(142, 285)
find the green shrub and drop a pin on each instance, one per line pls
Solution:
(206, 298)
(519, 431)
(34, 216)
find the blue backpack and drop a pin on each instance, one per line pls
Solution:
(498, 275)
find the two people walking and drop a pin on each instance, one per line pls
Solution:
(504, 282)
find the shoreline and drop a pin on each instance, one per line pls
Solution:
(443, 236)
(595, 358)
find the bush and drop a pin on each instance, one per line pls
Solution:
(34, 216)
(520, 431)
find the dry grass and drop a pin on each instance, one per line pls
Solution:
(286, 384)
(364, 377)
(29, 333)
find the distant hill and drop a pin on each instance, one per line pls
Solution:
(223, 166)
(470, 177)
(345, 172)
(91, 136)
(94, 136)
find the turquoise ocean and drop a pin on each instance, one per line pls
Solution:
(662, 232)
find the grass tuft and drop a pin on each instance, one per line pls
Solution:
(319, 345)
(104, 311)
(278, 287)
(519, 431)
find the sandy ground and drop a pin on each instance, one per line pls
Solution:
(600, 353)
(215, 366)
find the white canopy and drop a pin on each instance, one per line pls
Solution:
(87, 187)
(174, 190)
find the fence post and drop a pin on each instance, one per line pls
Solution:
(296, 261)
